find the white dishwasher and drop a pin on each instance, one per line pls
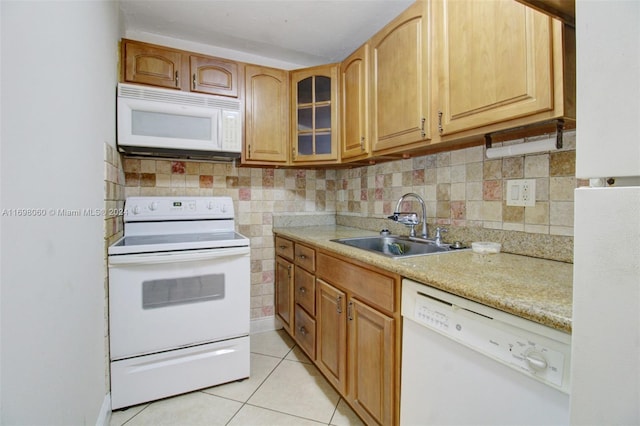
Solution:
(464, 363)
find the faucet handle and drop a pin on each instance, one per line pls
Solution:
(438, 236)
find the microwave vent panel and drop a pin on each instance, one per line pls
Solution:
(176, 97)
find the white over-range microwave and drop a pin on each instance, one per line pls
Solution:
(170, 123)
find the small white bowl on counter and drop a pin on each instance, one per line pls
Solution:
(485, 247)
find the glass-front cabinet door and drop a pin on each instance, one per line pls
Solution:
(315, 114)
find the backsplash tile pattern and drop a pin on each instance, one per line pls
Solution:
(114, 194)
(257, 194)
(462, 190)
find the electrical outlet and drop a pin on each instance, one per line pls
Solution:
(521, 192)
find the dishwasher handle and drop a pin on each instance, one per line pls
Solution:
(176, 257)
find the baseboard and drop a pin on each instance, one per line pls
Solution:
(260, 325)
(105, 411)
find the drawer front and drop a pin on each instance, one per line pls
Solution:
(305, 332)
(284, 248)
(305, 290)
(305, 257)
(367, 285)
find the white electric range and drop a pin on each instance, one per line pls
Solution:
(179, 284)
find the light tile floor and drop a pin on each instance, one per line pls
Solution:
(284, 388)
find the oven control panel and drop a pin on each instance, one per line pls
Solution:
(177, 208)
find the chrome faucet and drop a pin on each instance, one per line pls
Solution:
(410, 219)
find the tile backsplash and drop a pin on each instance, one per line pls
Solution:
(113, 227)
(463, 191)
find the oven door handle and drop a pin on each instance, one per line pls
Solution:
(175, 257)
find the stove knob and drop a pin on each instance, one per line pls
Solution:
(153, 206)
(210, 205)
(136, 209)
(223, 208)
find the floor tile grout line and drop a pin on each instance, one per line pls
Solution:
(261, 383)
(281, 358)
(138, 413)
(243, 404)
(288, 414)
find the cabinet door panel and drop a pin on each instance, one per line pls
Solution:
(331, 334)
(152, 65)
(284, 293)
(266, 115)
(314, 118)
(496, 63)
(399, 80)
(214, 76)
(371, 363)
(354, 108)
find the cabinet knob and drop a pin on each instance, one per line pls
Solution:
(302, 290)
(302, 330)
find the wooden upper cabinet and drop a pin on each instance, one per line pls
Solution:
(148, 64)
(266, 116)
(500, 61)
(160, 66)
(399, 82)
(213, 76)
(314, 114)
(354, 109)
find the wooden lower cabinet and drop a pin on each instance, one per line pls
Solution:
(345, 315)
(371, 363)
(358, 336)
(284, 293)
(332, 334)
(305, 331)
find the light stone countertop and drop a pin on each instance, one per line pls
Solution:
(535, 289)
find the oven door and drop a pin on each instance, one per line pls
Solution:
(169, 300)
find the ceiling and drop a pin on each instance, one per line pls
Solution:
(304, 32)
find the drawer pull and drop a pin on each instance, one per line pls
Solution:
(302, 256)
(303, 331)
(302, 290)
(282, 247)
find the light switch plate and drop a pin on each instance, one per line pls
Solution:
(521, 192)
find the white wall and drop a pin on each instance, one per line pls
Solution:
(59, 70)
(204, 49)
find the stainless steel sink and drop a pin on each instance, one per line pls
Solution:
(395, 246)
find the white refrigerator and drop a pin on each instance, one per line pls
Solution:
(606, 285)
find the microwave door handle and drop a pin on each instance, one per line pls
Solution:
(187, 256)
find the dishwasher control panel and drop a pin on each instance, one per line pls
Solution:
(521, 344)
